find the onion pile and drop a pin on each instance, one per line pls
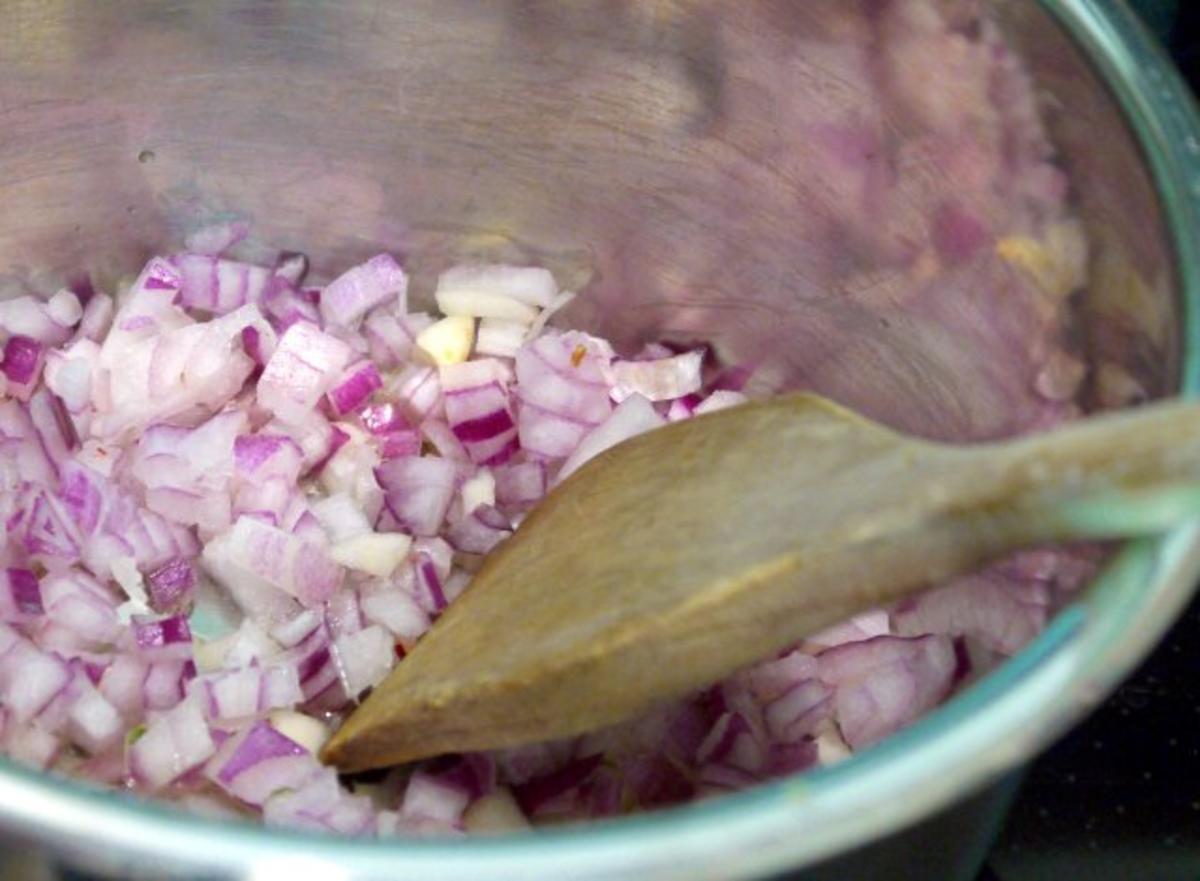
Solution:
(319, 469)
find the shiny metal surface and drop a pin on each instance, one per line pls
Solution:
(659, 150)
(643, 149)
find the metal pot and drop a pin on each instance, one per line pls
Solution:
(621, 144)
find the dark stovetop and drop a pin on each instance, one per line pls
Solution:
(1119, 798)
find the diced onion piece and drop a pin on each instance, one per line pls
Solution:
(397, 611)
(499, 337)
(664, 379)
(561, 380)
(216, 238)
(22, 365)
(172, 745)
(28, 317)
(884, 683)
(305, 365)
(20, 596)
(634, 416)
(254, 557)
(357, 291)
(170, 586)
(364, 658)
(531, 285)
(353, 389)
(448, 341)
(258, 762)
(418, 491)
(480, 304)
(341, 517)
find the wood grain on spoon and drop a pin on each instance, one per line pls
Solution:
(682, 555)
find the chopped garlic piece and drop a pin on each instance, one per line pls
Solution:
(1057, 264)
(479, 490)
(376, 553)
(310, 733)
(448, 341)
(495, 812)
(831, 747)
(209, 655)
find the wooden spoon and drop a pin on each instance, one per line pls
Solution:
(682, 555)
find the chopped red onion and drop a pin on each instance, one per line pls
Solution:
(390, 339)
(163, 639)
(249, 691)
(53, 427)
(20, 597)
(282, 560)
(341, 517)
(480, 531)
(147, 443)
(397, 611)
(664, 379)
(444, 441)
(216, 286)
(538, 792)
(321, 805)
(354, 388)
(862, 626)
(259, 762)
(476, 402)
(93, 724)
(884, 683)
(260, 457)
(419, 392)
(29, 677)
(68, 374)
(171, 585)
(217, 238)
(356, 292)
(173, 744)
(530, 285)
(166, 683)
(499, 337)
(418, 491)
(382, 419)
(22, 365)
(364, 658)
(304, 366)
(563, 391)
(292, 267)
(97, 318)
(633, 416)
